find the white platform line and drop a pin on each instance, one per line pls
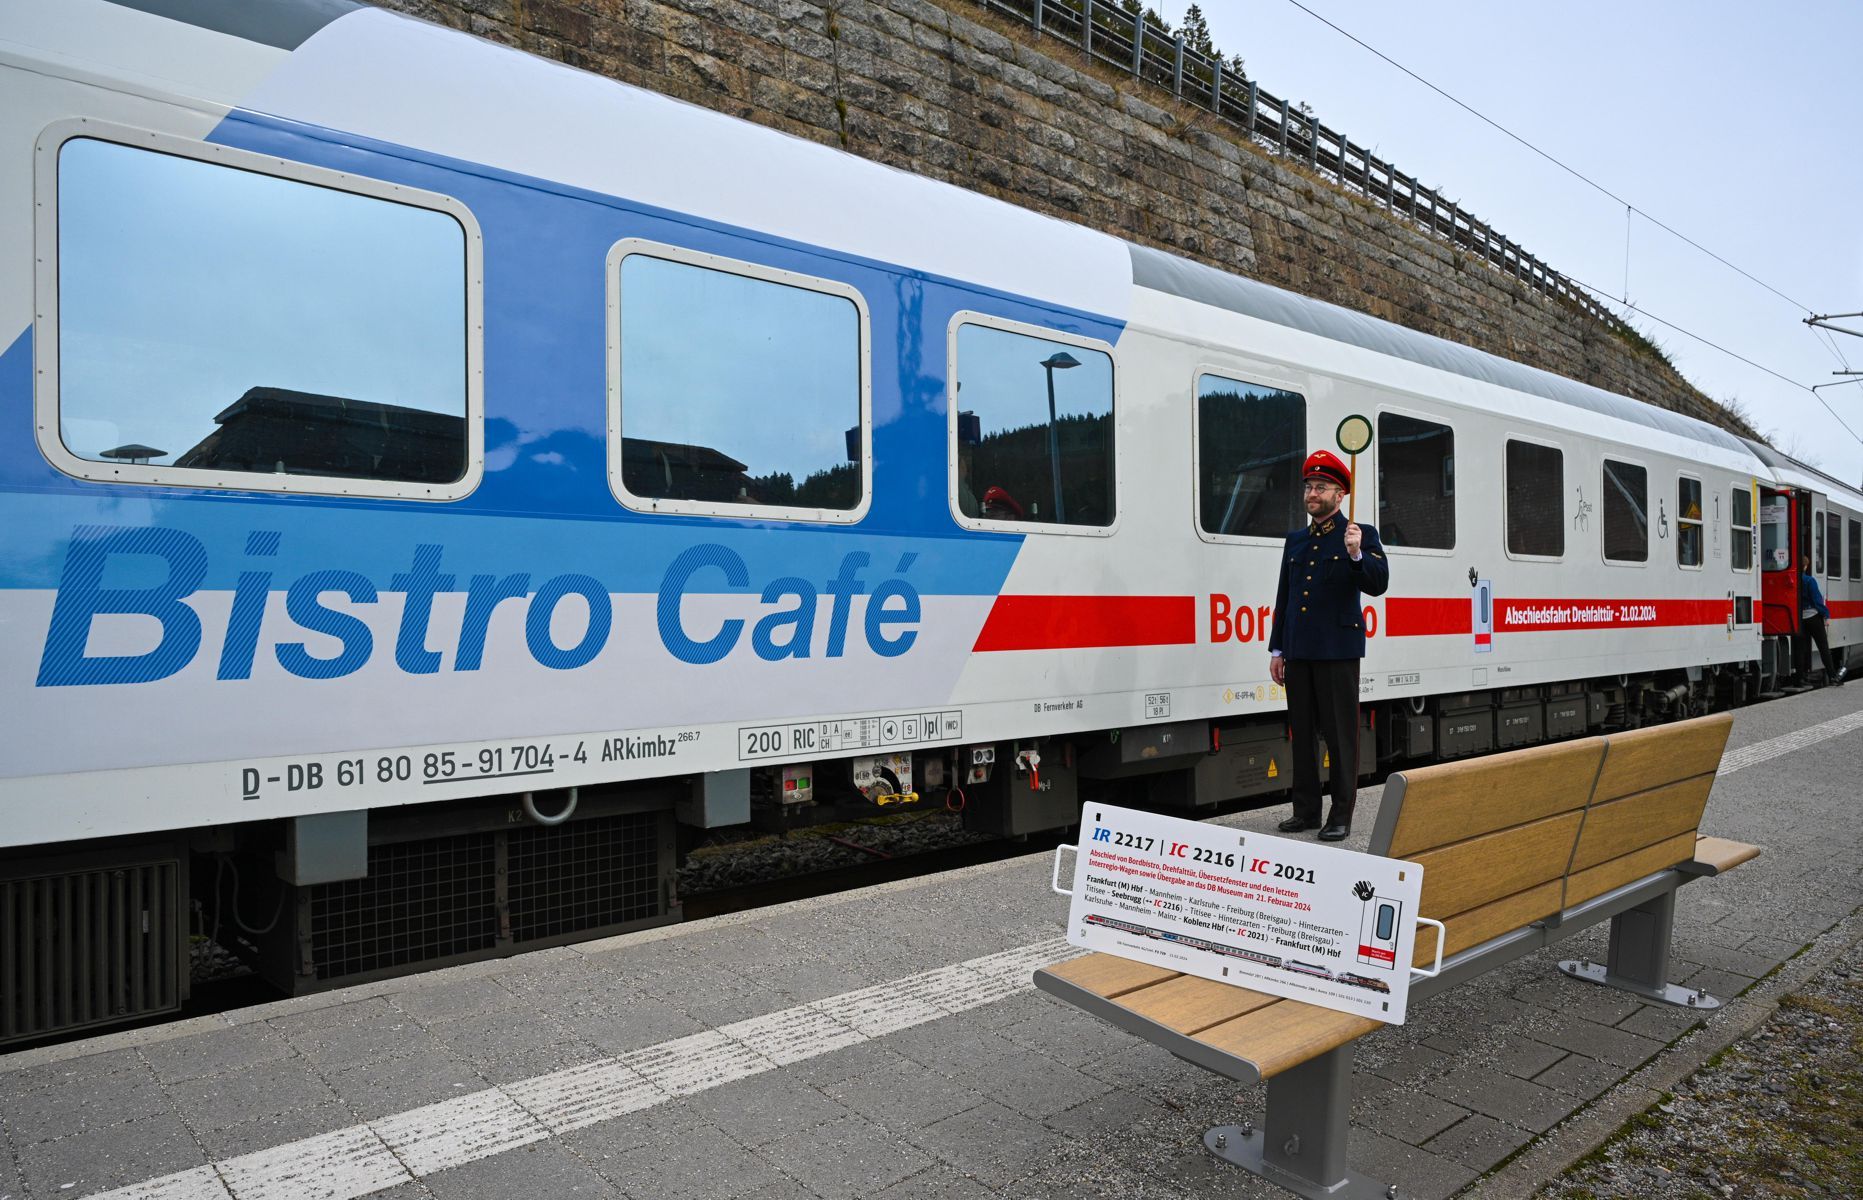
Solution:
(1771, 748)
(362, 1159)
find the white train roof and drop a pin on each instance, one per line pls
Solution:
(1790, 470)
(1207, 285)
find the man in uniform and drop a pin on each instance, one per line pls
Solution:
(1319, 638)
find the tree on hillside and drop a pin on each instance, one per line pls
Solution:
(1196, 32)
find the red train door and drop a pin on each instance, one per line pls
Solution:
(1784, 527)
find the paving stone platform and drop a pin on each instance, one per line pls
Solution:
(888, 1043)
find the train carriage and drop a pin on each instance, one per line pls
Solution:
(430, 464)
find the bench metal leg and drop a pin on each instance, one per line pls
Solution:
(1639, 961)
(1303, 1146)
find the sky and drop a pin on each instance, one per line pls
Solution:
(1734, 124)
(218, 280)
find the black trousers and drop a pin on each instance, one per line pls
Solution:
(1322, 702)
(1814, 631)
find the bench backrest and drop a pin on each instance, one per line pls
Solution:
(1515, 838)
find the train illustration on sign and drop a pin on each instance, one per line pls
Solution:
(430, 467)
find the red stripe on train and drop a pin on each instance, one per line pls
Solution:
(1844, 610)
(1087, 622)
(1539, 616)
(1422, 616)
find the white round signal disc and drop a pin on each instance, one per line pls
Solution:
(1354, 434)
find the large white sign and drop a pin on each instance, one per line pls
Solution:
(1291, 918)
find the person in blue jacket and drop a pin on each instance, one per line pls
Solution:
(1319, 639)
(1813, 613)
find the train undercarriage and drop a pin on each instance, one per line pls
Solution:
(100, 933)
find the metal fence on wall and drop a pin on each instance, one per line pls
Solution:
(1108, 33)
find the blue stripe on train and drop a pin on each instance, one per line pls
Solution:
(548, 509)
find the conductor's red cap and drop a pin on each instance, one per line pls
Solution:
(1324, 464)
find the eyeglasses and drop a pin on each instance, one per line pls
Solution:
(1316, 488)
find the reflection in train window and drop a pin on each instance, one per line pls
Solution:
(1856, 549)
(1834, 538)
(1535, 499)
(1251, 439)
(1776, 535)
(1742, 525)
(1688, 536)
(1626, 512)
(217, 319)
(737, 390)
(1416, 482)
(1035, 429)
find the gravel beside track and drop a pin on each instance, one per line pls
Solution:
(1777, 1114)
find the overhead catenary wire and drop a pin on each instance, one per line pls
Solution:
(1563, 166)
(1713, 345)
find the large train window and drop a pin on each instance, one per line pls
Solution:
(1416, 482)
(1251, 440)
(1742, 525)
(1032, 420)
(1856, 549)
(1688, 526)
(227, 320)
(1626, 512)
(734, 389)
(1834, 539)
(1535, 499)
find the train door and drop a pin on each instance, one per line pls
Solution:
(1780, 538)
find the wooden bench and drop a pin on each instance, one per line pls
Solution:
(1519, 850)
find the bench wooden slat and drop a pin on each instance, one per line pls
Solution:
(1722, 854)
(1109, 975)
(1469, 874)
(1620, 826)
(1641, 759)
(1670, 852)
(1455, 801)
(1190, 1005)
(1477, 925)
(1285, 1034)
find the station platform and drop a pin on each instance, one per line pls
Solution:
(888, 1043)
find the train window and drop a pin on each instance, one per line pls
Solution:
(735, 388)
(1688, 527)
(1834, 538)
(1416, 482)
(1251, 439)
(1535, 499)
(1742, 525)
(226, 321)
(1626, 512)
(1817, 541)
(1035, 429)
(1776, 535)
(1856, 549)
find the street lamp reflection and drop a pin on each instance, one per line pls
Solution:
(1060, 361)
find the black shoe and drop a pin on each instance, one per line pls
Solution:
(1335, 833)
(1297, 825)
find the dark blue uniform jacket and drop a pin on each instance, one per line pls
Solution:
(1317, 613)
